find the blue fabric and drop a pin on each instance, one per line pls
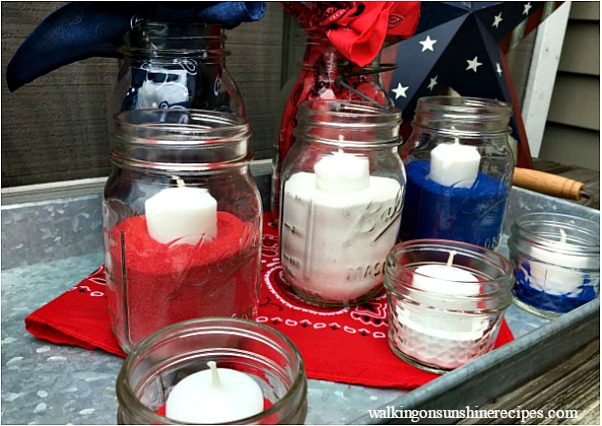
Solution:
(81, 30)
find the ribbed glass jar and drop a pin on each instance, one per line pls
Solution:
(175, 65)
(446, 301)
(343, 185)
(163, 360)
(556, 258)
(459, 168)
(182, 221)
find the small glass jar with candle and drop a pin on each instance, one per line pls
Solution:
(459, 167)
(342, 192)
(446, 301)
(213, 371)
(181, 221)
(556, 259)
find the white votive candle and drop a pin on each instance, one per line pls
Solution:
(454, 165)
(216, 395)
(181, 215)
(341, 173)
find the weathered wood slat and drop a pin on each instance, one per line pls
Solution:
(573, 384)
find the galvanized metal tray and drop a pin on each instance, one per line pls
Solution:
(48, 244)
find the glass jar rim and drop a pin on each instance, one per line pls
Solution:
(456, 116)
(361, 119)
(188, 326)
(204, 127)
(175, 38)
(522, 229)
(464, 106)
(460, 247)
(381, 115)
(186, 130)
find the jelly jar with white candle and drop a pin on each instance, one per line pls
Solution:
(213, 371)
(342, 192)
(459, 167)
(446, 301)
(556, 259)
(182, 221)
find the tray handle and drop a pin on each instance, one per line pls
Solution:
(547, 183)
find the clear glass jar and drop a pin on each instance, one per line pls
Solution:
(556, 259)
(322, 65)
(175, 65)
(343, 185)
(181, 221)
(459, 167)
(158, 364)
(445, 313)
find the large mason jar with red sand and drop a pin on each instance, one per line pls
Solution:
(181, 221)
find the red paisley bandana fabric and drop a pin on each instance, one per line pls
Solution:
(347, 345)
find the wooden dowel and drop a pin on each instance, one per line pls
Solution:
(547, 183)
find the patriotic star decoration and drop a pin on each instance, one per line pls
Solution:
(427, 44)
(473, 64)
(461, 46)
(400, 91)
(497, 20)
(432, 83)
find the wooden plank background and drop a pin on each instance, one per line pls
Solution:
(55, 128)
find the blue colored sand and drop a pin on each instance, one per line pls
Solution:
(550, 302)
(474, 215)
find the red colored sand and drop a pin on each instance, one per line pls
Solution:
(165, 285)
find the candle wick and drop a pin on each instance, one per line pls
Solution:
(450, 259)
(562, 236)
(179, 181)
(215, 381)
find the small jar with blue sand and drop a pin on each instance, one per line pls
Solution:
(556, 261)
(459, 168)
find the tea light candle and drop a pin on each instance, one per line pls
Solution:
(342, 173)
(455, 165)
(181, 215)
(216, 395)
(444, 279)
